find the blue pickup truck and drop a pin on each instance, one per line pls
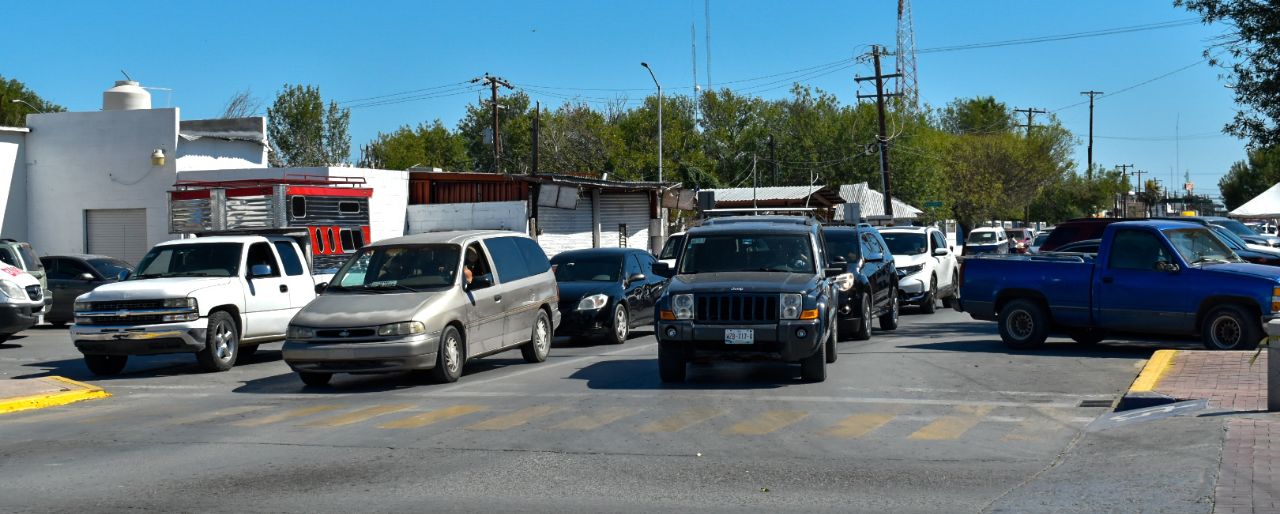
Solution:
(1148, 277)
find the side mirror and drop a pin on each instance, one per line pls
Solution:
(874, 257)
(834, 272)
(841, 260)
(1167, 267)
(663, 270)
(941, 252)
(124, 273)
(320, 288)
(259, 270)
(88, 277)
(636, 277)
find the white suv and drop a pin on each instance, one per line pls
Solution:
(927, 267)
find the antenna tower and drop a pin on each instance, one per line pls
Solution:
(907, 86)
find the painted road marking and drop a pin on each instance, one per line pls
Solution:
(667, 395)
(286, 415)
(433, 417)
(516, 418)
(357, 416)
(682, 420)
(954, 425)
(596, 420)
(859, 425)
(767, 422)
(221, 413)
(1156, 367)
(544, 367)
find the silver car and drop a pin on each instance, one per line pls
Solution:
(427, 302)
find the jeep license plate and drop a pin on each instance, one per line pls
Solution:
(739, 336)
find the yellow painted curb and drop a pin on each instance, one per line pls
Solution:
(74, 392)
(1153, 371)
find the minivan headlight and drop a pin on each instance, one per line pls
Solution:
(790, 305)
(297, 332)
(403, 328)
(682, 306)
(180, 303)
(593, 302)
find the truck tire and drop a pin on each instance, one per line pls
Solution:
(863, 331)
(889, 321)
(814, 367)
(221, 343)
(1023, 324)
(929, 305)
(313, 379)
(1229, 327)
(539, 344)
(672, 362)
(449, 357)
(106, 365)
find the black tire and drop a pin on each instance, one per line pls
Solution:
(1088, 337)
(620, 325)
(221, 343)
(58, 324)
(672, 362)
(313, 379)
(5, 337)
(863, 331)
(1230, 327)
(247, 351)
(539, 344)
(1023, 324)
(928, 306)
(955, 289)
(106, 365)
(831, 342)
(889, 321)
(814, 367)
(450, 357)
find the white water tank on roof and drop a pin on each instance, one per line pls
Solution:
(127, 95)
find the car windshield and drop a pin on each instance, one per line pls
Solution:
(670, 249)
(722, 253)
(399, 268)
(110, 268)
(1232, 241)
(587, 268)
(843, 244)
(1040, 239)
(191, 260)
(984, 237)
(1235, 227)
(906, 243)
(1199, 246)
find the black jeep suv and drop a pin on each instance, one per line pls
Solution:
(874, 290)
(749, 286)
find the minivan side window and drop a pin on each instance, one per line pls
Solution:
(289, 254)
(507, 259)
(534, 258)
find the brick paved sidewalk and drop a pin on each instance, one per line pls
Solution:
(1225, 378)
(1249, 479)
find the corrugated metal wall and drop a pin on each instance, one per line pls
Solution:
(565, 229)
(437, 192)
(631, 209)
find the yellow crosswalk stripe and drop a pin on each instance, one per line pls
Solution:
(516, 418)
(767, 422)
(286, 415)
(596, 420)
(952, 426)
(357, 416)
(859, 425)
(432, 417)
(220, 413)
(682, 420)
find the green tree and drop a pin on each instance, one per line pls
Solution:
(14, 114)
(979, 115)
(427, 145)
(573, 139)
(515, 124)
(1248, 178)
(304, 132)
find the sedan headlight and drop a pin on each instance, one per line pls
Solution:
(594, 302)
(790, 305)
(82, 306)
(12, 290)
(180, 303)
(911, 270)
(844, 282)
(682, 306)
(296, 332)
(404, 328)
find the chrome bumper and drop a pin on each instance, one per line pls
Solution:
(410, 353)
(182, 337)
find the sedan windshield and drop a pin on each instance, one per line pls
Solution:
(191, 260)
(1199, 246)
(1235, 227)
(399, 268)
(747, 252)
(982, 238)
(1231, 240)
(587, 269)
(906, 243)
(110, 268)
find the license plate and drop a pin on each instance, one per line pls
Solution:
(739, 336)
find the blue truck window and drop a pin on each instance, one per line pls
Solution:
(1137, 250)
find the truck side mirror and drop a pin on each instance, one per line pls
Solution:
(1167, 267)
(259, 270)
(87, 277)
(663, 270)
(124, 273)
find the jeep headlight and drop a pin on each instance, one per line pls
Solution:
(911, 270)
(297, 332)
(790, 305)
(403, 328)
(180, 303)
(593, 302)
(12, 290)
(682, 306)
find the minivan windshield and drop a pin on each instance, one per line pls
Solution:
(906, 243)
(1198, 246)
(191, 260)
(723, 253)
(587, 269)
(406, 268)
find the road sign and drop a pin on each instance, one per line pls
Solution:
(932, 205)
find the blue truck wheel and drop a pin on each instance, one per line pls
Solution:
(1023, 324)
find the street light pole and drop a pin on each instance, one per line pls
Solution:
(24, 102)
(662, 213)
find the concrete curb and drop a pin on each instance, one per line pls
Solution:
(1141, 393)
(64, 391)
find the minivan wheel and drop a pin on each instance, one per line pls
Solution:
(863, 332)
(539, 344)
(1023, 324)
(889, 321)
(449, 357)
(312, 379)
(221, 343)
(621, 325)
(106, 365)
(1229, 328)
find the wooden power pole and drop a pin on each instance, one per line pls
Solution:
(1030, 112)
(1089, 170)
(494, 83)
(882, 139)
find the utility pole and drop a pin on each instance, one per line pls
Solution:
(493, 83)
(883, 137)
(1030, 112)
(1124, 170)
(533, 170)
(773, 156)
(1092, 94)
(755, 183)
(1142, 188)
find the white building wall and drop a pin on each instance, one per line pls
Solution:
(212, 154)
(468, 216)
(561, 230)
(13, 183)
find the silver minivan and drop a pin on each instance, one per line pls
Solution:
(427, 302)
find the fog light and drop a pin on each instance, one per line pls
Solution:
(801, 333)
(672, 332)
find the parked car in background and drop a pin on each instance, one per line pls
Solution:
(873, 293)
(986, 240)
(1086, 246)
(21, 300)
(73, 275)
(22, 256)
(927, 267)
(604, 292)
(1078, 229)
(672, 249)
(1020, 239)
(1037, 241)
(1262, 227)
(1247, 252)
(1244, 232)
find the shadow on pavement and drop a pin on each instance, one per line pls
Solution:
(142, 366)
(344, 383)
(642, 374)
(1055, 348)
(591, 342)
(5, 346)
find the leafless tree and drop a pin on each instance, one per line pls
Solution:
(242, 105)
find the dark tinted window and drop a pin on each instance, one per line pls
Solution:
(671, 250)
(844, 244)
(722, 253)
(298, 206)
(55, 270)
(534, 257)
(74, 268)
(906, 243)
(348, 207)
(30, 258)
(507, 258)
(110, 268)
(288, 254)
(260, 254)
(348, 243)
(939, 241)
(1137, 250)
(8, 257)
(633, 266)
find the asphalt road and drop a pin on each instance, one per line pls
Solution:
(937, 416)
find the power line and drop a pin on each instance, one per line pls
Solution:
(1140, 84)
(1061, 37)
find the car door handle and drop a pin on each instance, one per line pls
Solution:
(284, 288)
(1108, 280)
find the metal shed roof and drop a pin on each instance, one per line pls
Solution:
(872, 202)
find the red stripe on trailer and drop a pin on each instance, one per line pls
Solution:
(329, 191)
(188, 195)
(316, 249)
(337, 239)
(364, 232)
(249, 191)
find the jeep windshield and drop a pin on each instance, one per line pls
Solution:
(403, 268)
(190, 260)
(724, 253)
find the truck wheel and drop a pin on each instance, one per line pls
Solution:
(106, 365)
(928, 306)
(449, 357)
(831, 342)
(1088, 337)
(621, 325)
(539, 344)
(672, 363)
(814, 367)
(889, 321)
(313, 379)
(221, 343)
(1229, 328)
(1023, 324)
(863, 331)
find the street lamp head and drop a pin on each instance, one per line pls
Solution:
(645, 64)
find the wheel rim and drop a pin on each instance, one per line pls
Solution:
(933, 291)
(1021, 324)
(895, 307)
(224, 339)
(620, 323)
(1226, 332)
(866, 313)
(540, 340)
(451, 354)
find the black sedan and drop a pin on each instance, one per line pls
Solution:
(873, 293)
(73, 275)
(604, 292)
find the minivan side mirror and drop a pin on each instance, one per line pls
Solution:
(320, 288)
(87, 277)
(663, 270)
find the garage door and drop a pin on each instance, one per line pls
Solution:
(624, 218)
(565, 229)
(120, 233)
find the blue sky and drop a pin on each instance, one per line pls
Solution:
(70, 51)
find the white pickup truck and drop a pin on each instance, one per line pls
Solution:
(218, 297)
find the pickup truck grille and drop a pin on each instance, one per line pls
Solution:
(127, 305)
(145, 319)
(737, 308)
(35, 293)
